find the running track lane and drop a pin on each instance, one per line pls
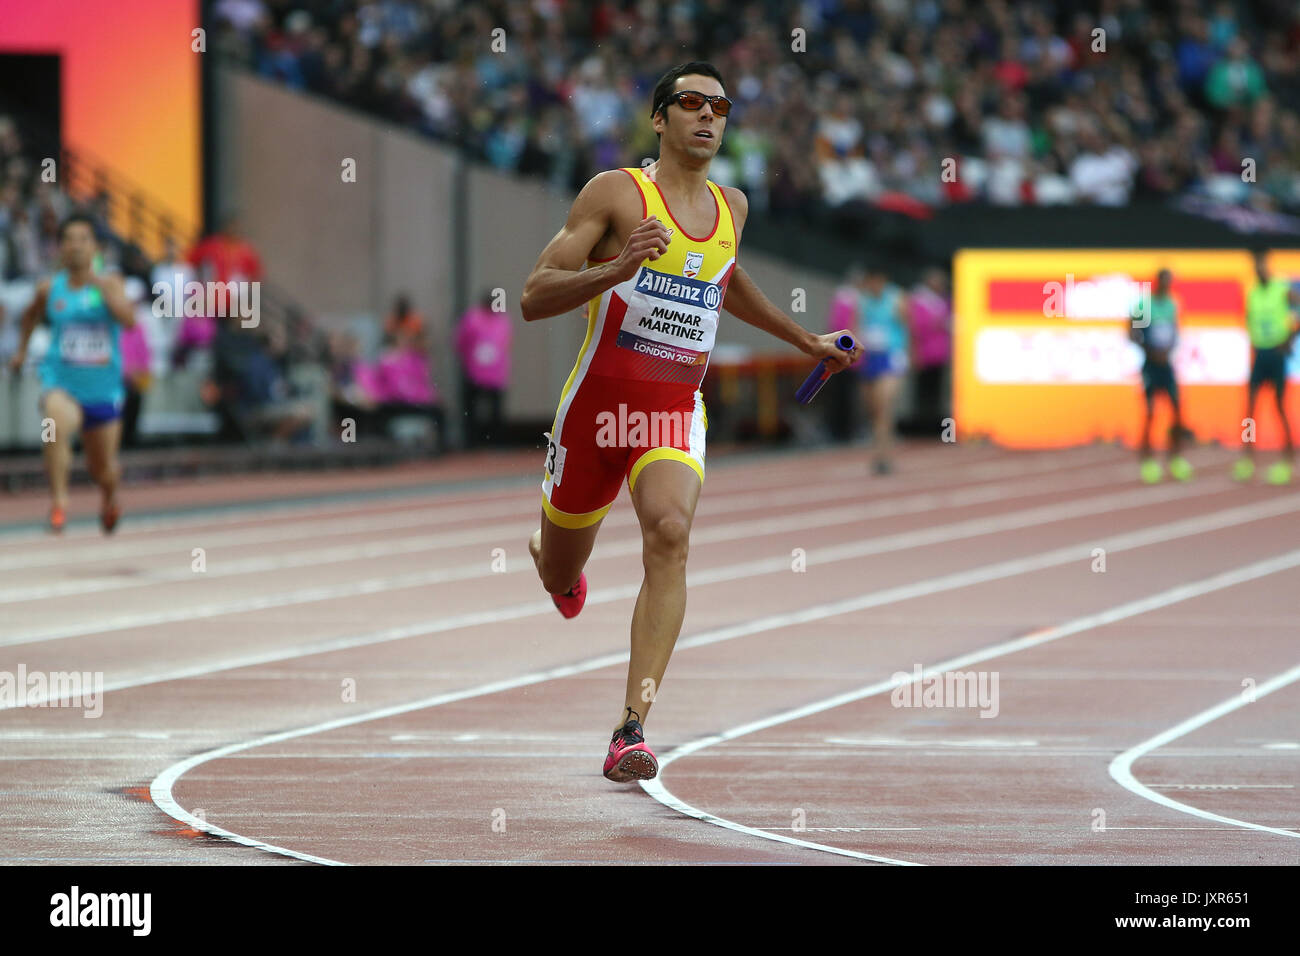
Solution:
(440, 768)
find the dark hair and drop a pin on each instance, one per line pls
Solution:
(664, 88)
(75, 218)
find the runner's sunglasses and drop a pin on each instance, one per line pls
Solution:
(692, 100)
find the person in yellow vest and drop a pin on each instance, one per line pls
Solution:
(1272, 330)
(652, 253)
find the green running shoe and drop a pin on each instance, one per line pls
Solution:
(1243, 469)
(1279, 473)
(1180, 468)
(1151, 471)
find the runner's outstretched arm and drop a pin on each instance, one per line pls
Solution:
(558, 283)
(31, 316)
(746, 302)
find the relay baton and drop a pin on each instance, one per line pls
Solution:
(814, 382)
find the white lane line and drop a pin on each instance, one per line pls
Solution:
(525, 506)
(1121, 768)
(728, 476)
(798, 521)
(138, 537)
(1202, 524)
(161, 788)
(940, 534)
(1222, 786)
(181, 570)
(313, 527)
(657, 789)
(959, 827)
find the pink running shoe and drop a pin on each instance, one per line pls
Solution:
(629, 758)
(571, 603)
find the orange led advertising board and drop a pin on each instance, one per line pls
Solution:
(1042, 356)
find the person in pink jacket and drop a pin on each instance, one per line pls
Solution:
(483, 344)
(930, 314)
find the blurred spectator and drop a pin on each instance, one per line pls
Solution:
(1195, 53)
(221, 257)
(224, 256)
(352, 392)
(400, 381)
(845, 302)
(404, 325)
(307, 344)
(845, 171)
(483, 345)
(1103, 173)
(930, 315)
(249, 388)
(137, 353)
(1236, 80)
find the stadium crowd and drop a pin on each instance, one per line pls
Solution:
(1103, 102)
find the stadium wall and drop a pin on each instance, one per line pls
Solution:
(416, 220)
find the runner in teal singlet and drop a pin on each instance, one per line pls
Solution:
(81, 374)
(884, 335)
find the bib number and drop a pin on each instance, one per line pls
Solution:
(1161, 335)
(85, 345)
(877, 338)
(555, 453)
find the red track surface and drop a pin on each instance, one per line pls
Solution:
(476, 704)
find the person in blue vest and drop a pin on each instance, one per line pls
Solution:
(81, 375)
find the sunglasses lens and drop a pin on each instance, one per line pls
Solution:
(721, 107)
(691, 101)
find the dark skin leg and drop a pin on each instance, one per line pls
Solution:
(1280, 396)
(1176, 433)
(1248, 448)
(1144, 452)
(101, 460)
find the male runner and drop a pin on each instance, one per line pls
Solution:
(659, 245)
(81, 374)
(1272, 332)
(1155, 328)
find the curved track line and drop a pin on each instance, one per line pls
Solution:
(160, 789)
(1227, 579)
(1121, 767)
